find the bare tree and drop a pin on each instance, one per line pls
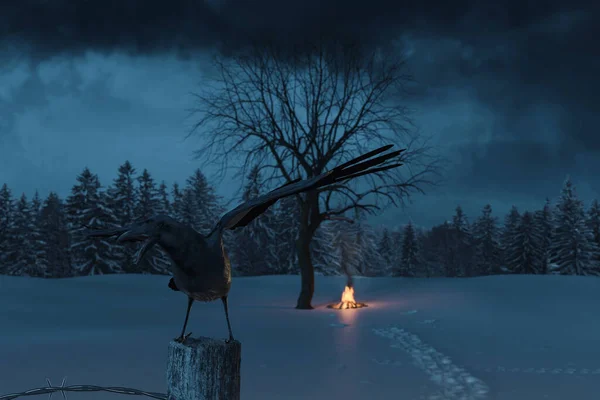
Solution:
(297, 114)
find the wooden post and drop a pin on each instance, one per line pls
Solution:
(204, 369)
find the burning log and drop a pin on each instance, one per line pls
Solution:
(348, 301)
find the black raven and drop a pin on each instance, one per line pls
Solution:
(200, 265)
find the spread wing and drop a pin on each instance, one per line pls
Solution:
(243, 214)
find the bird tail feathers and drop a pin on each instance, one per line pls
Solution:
(358, 166)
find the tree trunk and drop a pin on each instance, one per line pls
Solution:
(307, 271)
(310, 219)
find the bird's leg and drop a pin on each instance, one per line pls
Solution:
(224, 299)
(183, 336)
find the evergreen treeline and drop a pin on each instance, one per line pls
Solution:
(561, 239)
(43, 238)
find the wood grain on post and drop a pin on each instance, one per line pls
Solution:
(204, 369)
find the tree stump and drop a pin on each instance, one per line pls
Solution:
(204, 369)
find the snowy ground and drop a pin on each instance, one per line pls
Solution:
(503, 337)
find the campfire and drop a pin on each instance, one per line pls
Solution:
(348, 300)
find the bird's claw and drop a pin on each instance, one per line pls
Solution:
(182, 339)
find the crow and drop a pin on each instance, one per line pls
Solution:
(200, 265)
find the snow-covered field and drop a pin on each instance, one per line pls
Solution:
(502, 337)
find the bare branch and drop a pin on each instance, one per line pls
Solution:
(295, 116)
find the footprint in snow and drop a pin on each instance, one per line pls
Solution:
(545, 371)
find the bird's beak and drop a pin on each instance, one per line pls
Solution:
(135, 233)
(139, 256)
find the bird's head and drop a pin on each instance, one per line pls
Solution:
(158, 229)
(149, 228)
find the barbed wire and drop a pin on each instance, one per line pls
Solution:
(81, 388)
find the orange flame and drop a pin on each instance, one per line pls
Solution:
(348, 295)
(348, 301)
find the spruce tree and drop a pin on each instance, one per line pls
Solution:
(486, 241)
(437, 250)
(396, 255)
(461, 257)
(147, 196)
(409, 261)
(157, 261)
(87, 207)
(594, 221)
(6, 228)
(160, 259)
(177, 202)
(35, 212)
(36, 205)
(23, 261)
(368, 258)
(286, 216)
(544, 226)
(188, 208)
(325, 256)
(525, 254)
(385, 249)
(348, 257)
(508, 242)
(52, 240)
(164, 203)
(425, 267)
(206, 208)
(573, 250)
(347, 247)
(122, 198)
(253, 248)
(123, 195)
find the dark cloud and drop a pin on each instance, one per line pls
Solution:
(526, 166)
(532, 66)
(536, 73)
(150, 26)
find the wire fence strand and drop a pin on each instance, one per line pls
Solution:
(82, 388)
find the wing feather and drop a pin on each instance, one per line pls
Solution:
(243, 214)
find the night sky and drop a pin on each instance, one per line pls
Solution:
(509, 91)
